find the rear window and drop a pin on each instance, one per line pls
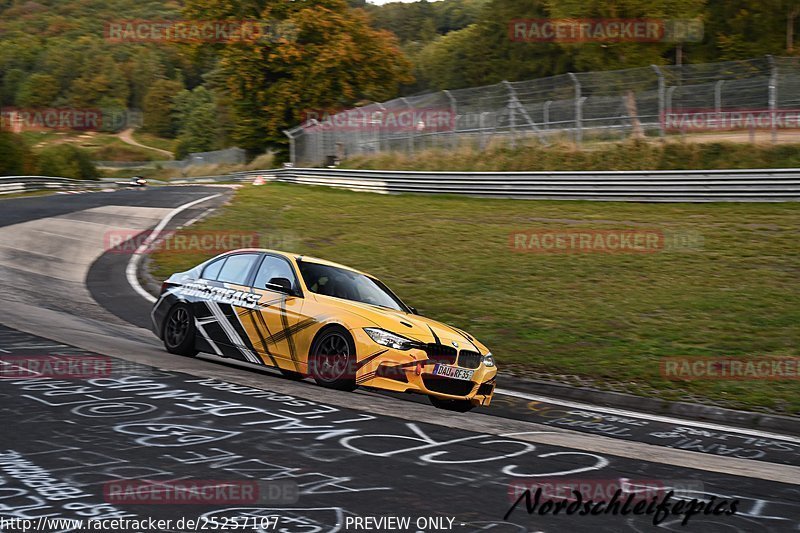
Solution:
(236, 268)
(211, 271)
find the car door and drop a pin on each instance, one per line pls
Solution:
(273, 327)
(228, 295)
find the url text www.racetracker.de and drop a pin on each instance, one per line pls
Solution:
(242, 523)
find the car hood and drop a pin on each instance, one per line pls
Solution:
(414, 327)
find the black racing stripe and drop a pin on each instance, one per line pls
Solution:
(231, 314)
(216, 333)
(369, 358)
(232, 353)
(289, 331)
(466, 336)
(435, 337)
(365, 377)
(464, 333)
(257, 327)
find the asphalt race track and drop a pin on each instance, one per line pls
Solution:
(318, 460)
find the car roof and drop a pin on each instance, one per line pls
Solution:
(305, 258)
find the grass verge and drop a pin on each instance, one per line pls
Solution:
(600, 319)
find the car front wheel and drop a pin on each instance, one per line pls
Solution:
(332, 360)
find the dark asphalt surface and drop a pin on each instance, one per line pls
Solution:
(641, 429)
(123, 424)
(64, 439)
(17, 210)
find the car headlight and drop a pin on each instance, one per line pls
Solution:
(488, 359)
(392, 340)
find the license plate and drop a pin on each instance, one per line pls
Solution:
(453, 372)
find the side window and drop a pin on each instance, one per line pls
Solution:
(274, 267)
(211, 271)
(236, 268)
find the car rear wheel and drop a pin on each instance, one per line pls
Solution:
(179, 331)
(332, 360)
(459, 406)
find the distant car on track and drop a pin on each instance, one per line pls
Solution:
(135, 181)
(310, 317)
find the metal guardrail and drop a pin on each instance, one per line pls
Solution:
(757, 185)
(752, 185)
(21, 184)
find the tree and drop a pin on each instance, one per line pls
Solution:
(157, 108)
(196, 116)
(102, 82)
(142, 71)
(324, 56)
(39, 90)
(483, 53)
(741, 29)
(627, 54)
(16, 158)
(66, 161)
(11, 81)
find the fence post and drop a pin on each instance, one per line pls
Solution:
(773, 96)
(718, 100)
(453, 134)
(292, 152)
(511, 113)
(481, 129)
(546, 114)
(661, 96)
(578, 108)
(380, 125)
(410, 135)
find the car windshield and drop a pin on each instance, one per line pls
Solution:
(348, 285)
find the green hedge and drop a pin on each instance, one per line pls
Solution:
(632, 155)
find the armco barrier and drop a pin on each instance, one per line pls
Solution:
(756, 185)
(770, 185)
(20, 184)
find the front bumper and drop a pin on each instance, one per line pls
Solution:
(412, 371)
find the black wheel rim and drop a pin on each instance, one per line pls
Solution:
(333, 354)
(177, 327)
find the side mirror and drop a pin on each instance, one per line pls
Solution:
(280, 285)
(413, 310)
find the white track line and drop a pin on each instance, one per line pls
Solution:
(647, 416)
(132, 269)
